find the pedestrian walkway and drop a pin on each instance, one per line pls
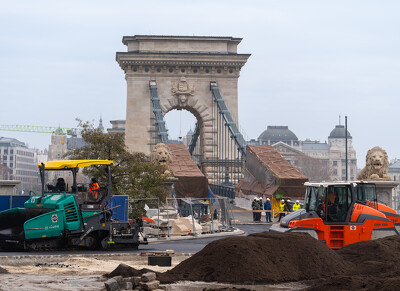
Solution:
(245, 216)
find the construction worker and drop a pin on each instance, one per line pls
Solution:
(257, 207)
(332, 207)
(296, 206)
(260, 207)
(254, 206)
(268, 206)
(288, 206)
(282, 207)
(60, 186)
(93, 189)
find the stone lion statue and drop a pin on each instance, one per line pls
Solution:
(161, 155)
(376, 166)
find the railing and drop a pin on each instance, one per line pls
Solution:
(223, 190)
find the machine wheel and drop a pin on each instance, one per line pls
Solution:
(104, 243)
(91, 241)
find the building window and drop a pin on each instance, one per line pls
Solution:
(335, 172)
(182, 70)
(230, 71)
(394, 178)
(146, 70)
(171, 70)
(335, 163)
(194, 70)
(343, 172)
(207, 71)
(134, 69)
(158, 69)
(219, 71)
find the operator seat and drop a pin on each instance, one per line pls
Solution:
(60, 184)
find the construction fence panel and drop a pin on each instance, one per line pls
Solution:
(195, 216)
(182, 216)
(149, 210)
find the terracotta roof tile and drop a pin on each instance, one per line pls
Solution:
(274, 162)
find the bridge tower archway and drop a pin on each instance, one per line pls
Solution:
(182, 67)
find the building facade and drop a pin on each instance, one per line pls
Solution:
(337, 154)
(20, 163)
(331, 155)
(394, 173)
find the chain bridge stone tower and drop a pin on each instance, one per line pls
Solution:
(179, 69)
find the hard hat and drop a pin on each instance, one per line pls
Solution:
(297, 201)
(267, 199)
(282, 200)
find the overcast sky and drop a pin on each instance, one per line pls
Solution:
(311, 61)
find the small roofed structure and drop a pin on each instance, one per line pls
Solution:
(191, 181)
(267, 174)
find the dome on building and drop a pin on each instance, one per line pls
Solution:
(339, 132)
(277, 133)
(190, 132)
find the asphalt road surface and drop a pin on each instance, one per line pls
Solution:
(180, 246)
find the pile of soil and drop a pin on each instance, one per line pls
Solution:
(126, 271)
(259, 258)
(266, 257)
(269, 257)
(377, 267)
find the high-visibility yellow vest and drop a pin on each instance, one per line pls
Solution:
(296, 206)
(281, 206)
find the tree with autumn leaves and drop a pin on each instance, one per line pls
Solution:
(132, 173)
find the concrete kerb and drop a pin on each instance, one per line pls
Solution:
(236, 231)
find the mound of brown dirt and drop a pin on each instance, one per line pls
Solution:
(260, 258)
(375, 256)
(377, 267)
(126, 271)
(269, 257)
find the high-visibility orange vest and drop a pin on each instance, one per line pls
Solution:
(95, 186)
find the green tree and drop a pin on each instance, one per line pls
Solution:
(132, 173)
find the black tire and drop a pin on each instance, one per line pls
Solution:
(92, 241)
(103, 245)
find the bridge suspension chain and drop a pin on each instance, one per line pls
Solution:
(160, 123)
(235, 133)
